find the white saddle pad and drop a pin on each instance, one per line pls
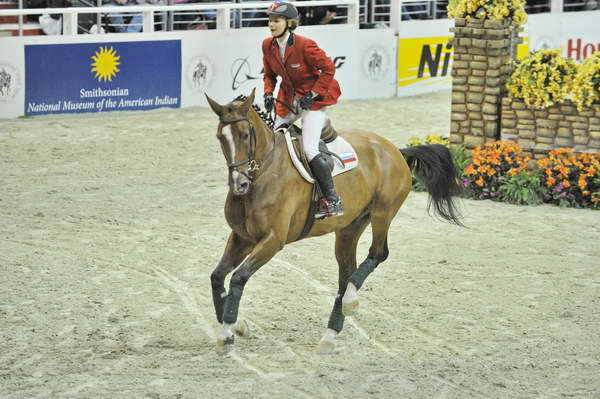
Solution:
(339, 146)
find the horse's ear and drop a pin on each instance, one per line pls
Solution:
(248, 102)
(217, 109)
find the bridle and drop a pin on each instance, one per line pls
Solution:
(253, 165)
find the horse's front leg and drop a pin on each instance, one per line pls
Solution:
(236, 250)
(261, 254)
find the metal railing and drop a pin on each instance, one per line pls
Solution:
(225, 13)
(240, 14)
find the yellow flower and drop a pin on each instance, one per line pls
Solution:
(586, 86)
(484, 9)
(414, 141)
(542, 78)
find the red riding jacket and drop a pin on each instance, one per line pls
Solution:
(305, 68)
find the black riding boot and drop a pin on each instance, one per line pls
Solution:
(333, 205)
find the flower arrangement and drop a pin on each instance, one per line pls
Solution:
(586, 85)
(489, 9)
(499, 172)
(571, 179)
(542, 78)
(492, 164)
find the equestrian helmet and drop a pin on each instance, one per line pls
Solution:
(284, 9)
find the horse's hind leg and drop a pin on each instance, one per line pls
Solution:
(381, 218)
(346, 241)
(235, 251)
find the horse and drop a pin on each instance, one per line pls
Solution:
(199, 74)
(268, 203)
(375, 65)
(5, 80)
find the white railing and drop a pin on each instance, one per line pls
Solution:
(224, 12)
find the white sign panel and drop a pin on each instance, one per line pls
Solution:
(227, 63)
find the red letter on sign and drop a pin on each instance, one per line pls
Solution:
(576, 50)
(589, 47)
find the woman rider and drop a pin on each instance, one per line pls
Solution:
(307, 86)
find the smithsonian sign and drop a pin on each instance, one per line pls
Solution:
(98, 77)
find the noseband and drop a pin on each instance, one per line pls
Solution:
(253, 165)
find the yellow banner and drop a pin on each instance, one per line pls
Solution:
(424, 58)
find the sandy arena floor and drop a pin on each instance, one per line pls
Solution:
(112, 224)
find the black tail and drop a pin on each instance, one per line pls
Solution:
(433, 166)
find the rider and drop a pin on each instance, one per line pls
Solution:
(307, 83)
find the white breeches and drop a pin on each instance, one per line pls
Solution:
(313, 123)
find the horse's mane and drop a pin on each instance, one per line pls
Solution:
(264, 115)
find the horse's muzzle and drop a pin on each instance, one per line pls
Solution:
(239, 183)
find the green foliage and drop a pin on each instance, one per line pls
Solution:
(524, 188)
(461, 157)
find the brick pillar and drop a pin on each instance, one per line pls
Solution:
(482, 51)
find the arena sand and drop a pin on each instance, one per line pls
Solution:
(112, 224)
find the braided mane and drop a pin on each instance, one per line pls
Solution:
(264, 115)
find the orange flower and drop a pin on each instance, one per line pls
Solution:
(550, 182)
(582, 182)
(586, 193)
(566, 183)
(479, 181)
(470, 170)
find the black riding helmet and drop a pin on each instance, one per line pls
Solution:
(283, 9)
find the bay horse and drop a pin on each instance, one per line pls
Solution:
(268, 203)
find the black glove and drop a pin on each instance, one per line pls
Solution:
(306, 101)
(269, 102)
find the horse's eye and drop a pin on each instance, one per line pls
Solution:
(245, 136)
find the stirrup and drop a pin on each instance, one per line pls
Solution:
(329, 208)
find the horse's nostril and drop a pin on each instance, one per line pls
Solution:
(244, 185)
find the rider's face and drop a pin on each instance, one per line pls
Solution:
(277, 25)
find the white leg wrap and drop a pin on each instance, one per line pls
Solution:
(227, 330)
(351, 294)
(330, 335)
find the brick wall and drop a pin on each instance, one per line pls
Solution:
(558, 126)
(482, 51)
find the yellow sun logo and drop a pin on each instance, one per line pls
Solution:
(105, 64)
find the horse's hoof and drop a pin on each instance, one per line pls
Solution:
(243, 329)
(350, 308)
(326, 347)
(224, 346)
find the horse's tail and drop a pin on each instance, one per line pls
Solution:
(434, 167)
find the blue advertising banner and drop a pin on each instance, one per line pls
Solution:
(98, 77)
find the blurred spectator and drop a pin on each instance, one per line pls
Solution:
(127, 22)
(122, 23)
(194, 20)
(320, 15)
(415, 10)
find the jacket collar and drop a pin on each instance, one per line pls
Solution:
(290, 42)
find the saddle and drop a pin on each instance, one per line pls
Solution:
(328, 135)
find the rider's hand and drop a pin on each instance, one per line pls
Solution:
(269, 102)
(306, 101)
